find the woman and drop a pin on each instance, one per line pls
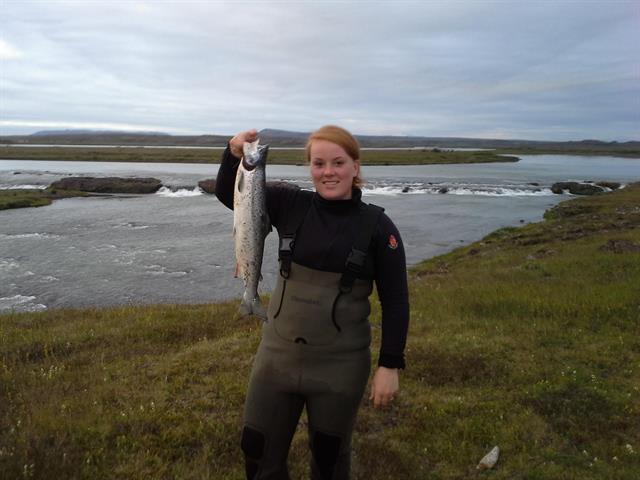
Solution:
(314, 351)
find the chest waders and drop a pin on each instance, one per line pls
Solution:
(314, 353)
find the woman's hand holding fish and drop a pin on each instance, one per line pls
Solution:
(237, 142)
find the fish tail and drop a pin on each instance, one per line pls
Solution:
(251, 306)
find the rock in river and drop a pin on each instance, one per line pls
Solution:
(208, 186)
(108, 184)
(576, 188)
(610, 185)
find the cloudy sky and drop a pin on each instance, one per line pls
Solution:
(556, 69)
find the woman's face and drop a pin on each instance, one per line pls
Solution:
(332, 170)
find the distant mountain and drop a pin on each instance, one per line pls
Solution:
(273, 133)
(80, 137)
(287, 138)
(72, 132)
(283, 138)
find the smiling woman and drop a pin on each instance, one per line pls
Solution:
(314, 352)
(334, 157)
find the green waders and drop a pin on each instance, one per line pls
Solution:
(314, 353)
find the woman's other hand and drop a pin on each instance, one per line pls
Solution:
(384, 386)
(236, 143)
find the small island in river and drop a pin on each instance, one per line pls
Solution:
(76, 187)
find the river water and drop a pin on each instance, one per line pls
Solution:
(176, 246)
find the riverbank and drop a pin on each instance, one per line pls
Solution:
(527, 339)
(276, 156)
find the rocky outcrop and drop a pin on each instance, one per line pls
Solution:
(621, 246)
(609, 185)
(576, 188)
(279, 183)
(108, 184)
(208, 185)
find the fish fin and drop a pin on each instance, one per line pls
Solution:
(258, 309)
(244, 309)
(240, 181)
(251, 306)
(263, 150)
(266, 223)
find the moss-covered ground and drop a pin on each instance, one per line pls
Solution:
(22, 198)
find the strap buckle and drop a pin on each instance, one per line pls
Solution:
(286, 245)
(285, 254)
(355, 260)
(353, 266)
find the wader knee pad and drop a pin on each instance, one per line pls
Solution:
(252, 445)
(325, 449)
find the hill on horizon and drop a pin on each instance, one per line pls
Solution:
(285, 138)
(85, 131)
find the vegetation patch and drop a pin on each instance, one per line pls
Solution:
(33, 197)
(620, 246)
(576, 407)
(454, 367)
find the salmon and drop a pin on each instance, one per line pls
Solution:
(251, 224)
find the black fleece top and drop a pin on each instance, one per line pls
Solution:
(324, 241)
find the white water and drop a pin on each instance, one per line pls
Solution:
(180, 193)
(21, 187)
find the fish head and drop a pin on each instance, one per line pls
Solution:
(254, 155)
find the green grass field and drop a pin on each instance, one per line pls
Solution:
(528, 339)
(276, 156)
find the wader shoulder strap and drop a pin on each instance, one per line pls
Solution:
(285, 253)
(294, 220)
(367, 221)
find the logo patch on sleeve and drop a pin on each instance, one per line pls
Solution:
(393, 243)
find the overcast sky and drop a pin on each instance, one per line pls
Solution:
(556, 70)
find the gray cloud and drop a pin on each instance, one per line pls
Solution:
(539, 70)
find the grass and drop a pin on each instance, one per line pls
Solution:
(22, 198)
(528, 339)
(276, 156)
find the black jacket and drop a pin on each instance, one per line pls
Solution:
(325, 240)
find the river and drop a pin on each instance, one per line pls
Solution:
(176, 246)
